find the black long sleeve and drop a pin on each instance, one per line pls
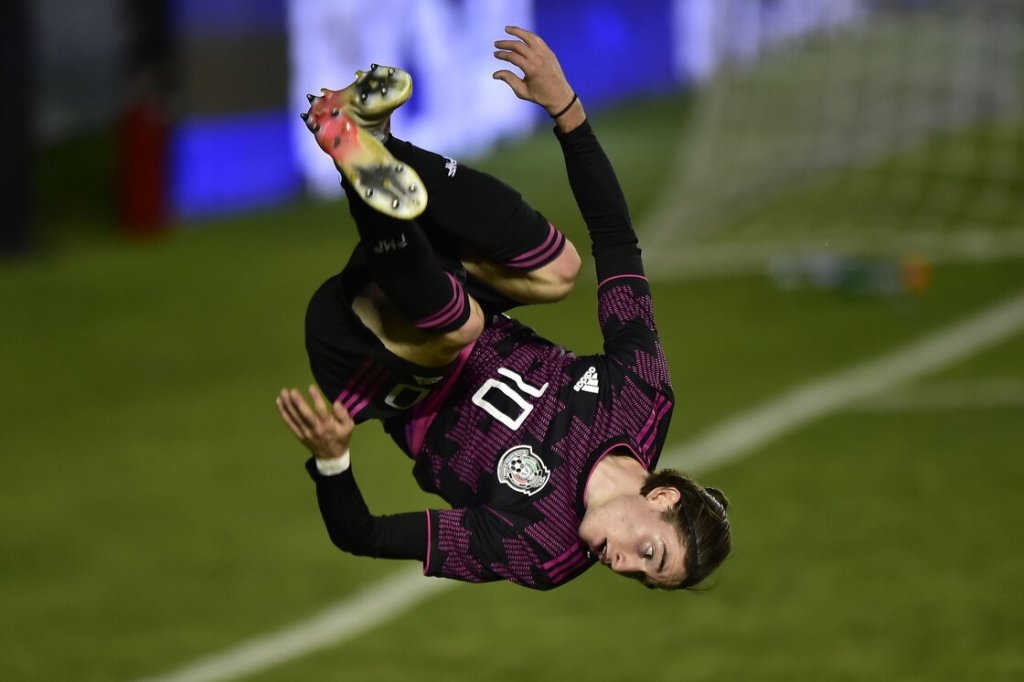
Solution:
(601, 203)
(354, 530)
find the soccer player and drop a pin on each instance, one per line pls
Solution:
(474, 249)
(547, 459)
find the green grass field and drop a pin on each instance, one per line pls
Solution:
(155, 511)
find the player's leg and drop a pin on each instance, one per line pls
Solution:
(381, 342)
(412, 282)
(384, 194)
(508, 244)
(503, 240)
(356, 364)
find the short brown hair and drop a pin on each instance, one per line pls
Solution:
(701, 519)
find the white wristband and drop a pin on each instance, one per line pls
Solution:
(333, 466)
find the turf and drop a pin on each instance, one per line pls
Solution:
(155, 511)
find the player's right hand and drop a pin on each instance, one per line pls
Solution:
(325, 432)
(543, 81)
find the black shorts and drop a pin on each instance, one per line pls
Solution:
(351, 364)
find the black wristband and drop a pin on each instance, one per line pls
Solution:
(567, 106)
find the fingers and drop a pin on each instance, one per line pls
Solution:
(514, 58)
(542, 80)
(342, 415)
(512, 46)
(293, 425)
(527, 37)
(319, 404)
(303, 410)
(324, 431)
(513, 81)
(297, 414)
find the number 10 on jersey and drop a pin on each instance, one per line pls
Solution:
(508, 399)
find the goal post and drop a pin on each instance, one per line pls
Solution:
(864, 135)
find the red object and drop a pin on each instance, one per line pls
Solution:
(916, 273)
(142, 169)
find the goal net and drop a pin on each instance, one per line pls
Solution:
(902, 130)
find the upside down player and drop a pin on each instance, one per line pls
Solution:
(544, 457)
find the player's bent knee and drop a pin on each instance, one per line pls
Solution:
(470, 331)
(559, 276)
(444, 348)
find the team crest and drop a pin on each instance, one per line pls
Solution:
(522, 470)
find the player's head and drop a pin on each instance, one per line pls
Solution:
(669, 536)
(699, 517)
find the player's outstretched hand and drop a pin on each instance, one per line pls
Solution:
(324, 431)
(543, 81)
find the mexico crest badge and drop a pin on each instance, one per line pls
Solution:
(522, 470)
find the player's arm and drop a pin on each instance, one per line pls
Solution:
(625, 310)
(591, 177)
(326, 433)
(353, 529)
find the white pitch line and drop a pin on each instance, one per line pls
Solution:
(754, 428)
(948, 396)
(373, 606)
(728, 441)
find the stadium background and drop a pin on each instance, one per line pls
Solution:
(831, 198)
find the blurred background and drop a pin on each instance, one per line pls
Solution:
(830, 197)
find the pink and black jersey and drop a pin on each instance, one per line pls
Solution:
(520, 429)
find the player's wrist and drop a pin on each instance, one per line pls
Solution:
(560, 110)
(572, 118)
(334, 465)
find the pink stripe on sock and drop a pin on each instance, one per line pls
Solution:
(544, 253)
(552, 236)
(451, 312)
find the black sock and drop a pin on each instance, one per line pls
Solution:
(404, 265)
(480, 210)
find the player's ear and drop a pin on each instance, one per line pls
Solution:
(664, 496)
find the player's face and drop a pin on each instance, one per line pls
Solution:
(629, 535)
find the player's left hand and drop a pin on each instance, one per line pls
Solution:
(326, 432)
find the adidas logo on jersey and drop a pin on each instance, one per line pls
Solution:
(588, 382)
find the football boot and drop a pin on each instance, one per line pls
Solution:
(381, 180)
(372, 97)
